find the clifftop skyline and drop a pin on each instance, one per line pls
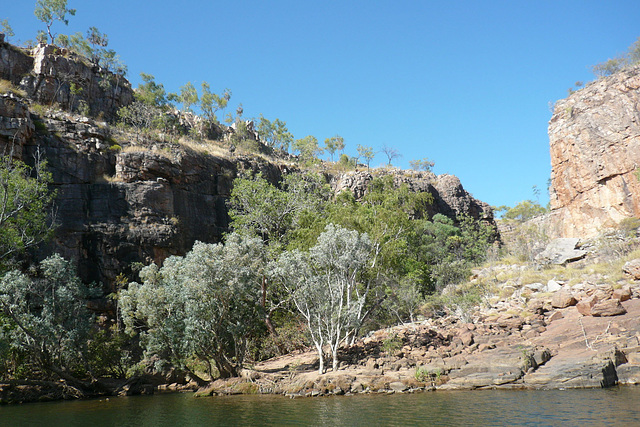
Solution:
(469, 88)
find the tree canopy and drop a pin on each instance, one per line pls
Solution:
(26, 217)
(205, 305)
(50, 11)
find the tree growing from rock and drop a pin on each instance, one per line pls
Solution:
(50, 11)
(323, 284)
(333, 144)
(613, 65)
(366, 153)
(391, 153)
(210, 102)
(6, 29)
(308, 148)
(422, 164)
(275, 134)
(205, 305)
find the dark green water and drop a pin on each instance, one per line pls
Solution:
(611, 407)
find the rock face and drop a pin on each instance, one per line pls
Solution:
(47, 72)
(595, 152)
(117, 207)
(449, 197)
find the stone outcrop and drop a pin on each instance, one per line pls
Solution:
(449, 196)
(595, 155)
(47, 72)
(561, 251)
(117, 207)
(16, 126)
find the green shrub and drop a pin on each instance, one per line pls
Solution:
(391, 344)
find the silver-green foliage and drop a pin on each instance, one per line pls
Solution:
(204, 305)
(324, 287)
(25, 201)
(48, 316)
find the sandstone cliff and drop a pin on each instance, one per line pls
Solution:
(595, 154)
(151, 200)
(46, 73)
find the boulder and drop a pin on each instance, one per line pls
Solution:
(553, 286)
(466, 338)
(561, 251)
(573, 374)
(563, 299)
(585, 305)
(628, 374)
(622, 294)
(536, 287)
(397, 386)
(555, 316)
(632, 268)
(610, 307)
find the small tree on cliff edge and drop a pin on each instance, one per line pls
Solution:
(49, 11)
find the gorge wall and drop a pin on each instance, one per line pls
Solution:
(595, 155)
(149, 201)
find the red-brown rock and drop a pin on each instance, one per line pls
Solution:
(555, 316)
(584, 306)
(563, 299)
(610, 307)
(632, 268)
(467, 338)
(622, 294)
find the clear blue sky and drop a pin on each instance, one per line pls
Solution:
(465, 83)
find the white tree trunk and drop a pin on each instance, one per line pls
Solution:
(321, 358)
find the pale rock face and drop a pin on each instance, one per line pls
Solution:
(595, 151)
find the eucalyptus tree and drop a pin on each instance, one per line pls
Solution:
(308, 148)
(26, 214)
(260, 208)
(422, 164)
(273, 212)
(391, 153)
(324, 287)
(205, 305)
(366, 153)
(6, 29)
(333, 144)
(50, 11)
(48, 317)
(275, 134)
(210, 102)
(188, 96)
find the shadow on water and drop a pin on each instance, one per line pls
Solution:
(615, 406)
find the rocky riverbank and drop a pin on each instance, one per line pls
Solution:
(578, 329)
(562, 334)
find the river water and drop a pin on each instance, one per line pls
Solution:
(611, 407)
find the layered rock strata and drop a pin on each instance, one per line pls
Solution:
(595, 155)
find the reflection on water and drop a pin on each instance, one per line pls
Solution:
(616, 406)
